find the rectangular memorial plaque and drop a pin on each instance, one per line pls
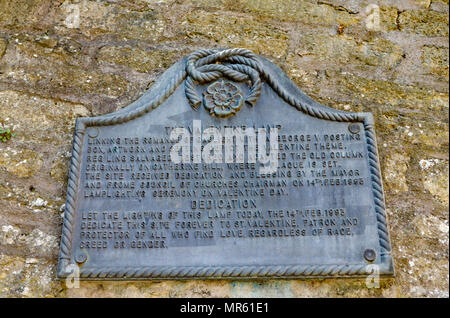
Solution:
(225, 169)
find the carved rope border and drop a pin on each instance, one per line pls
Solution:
(242, 57)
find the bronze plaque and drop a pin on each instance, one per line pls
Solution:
(225, 169)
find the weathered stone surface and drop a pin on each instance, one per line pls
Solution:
(36, 239)
(345, 49)
(138, 59)
(289, 10)
(124, 19)
(233, 31)
(2, 46)
(16, 14)
(436, 180)
(435, 59)
(62, 59)
(425, 22)
(39, 119)
(27, 277)
(21, 163)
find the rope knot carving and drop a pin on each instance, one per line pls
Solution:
(241, 65)
(238, 65)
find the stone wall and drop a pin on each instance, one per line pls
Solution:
(63, 59)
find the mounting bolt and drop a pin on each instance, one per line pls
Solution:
(80, 258)
(93, 132)
(354, 128)
(370, 255)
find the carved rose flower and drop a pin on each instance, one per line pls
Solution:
(222, 98)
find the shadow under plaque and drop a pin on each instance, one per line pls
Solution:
(311, 207)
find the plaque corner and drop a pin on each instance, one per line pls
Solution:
(388, 268)
(62, 270)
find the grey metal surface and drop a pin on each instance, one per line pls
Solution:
(248, 232)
